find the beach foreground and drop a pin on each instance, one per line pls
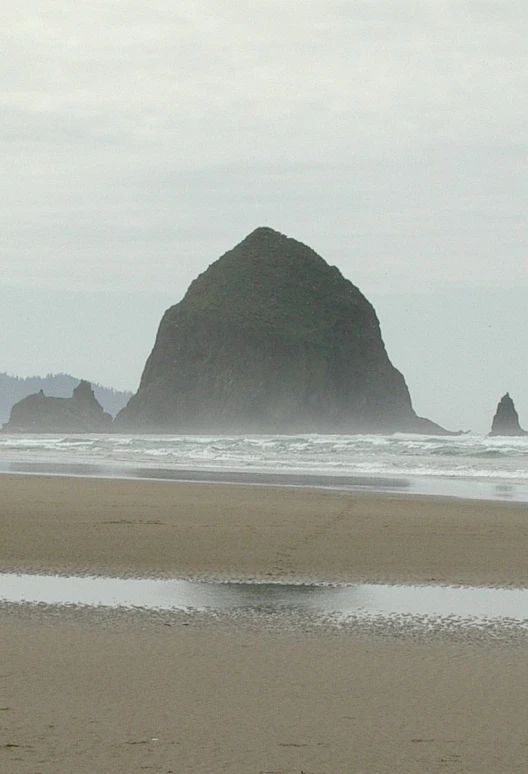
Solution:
(119, 694)
(86, 697)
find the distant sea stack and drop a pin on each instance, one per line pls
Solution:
(506, 419)
(61, 385)
(271, 339)
(39, 413)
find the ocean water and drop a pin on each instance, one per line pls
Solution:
(468, 465)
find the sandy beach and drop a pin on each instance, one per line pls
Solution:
(125, 527)
(93, 693)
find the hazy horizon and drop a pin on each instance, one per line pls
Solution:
(142, 142)
(445, 381)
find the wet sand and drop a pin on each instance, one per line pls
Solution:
(193, 530)
(86, 697)
(117, 694)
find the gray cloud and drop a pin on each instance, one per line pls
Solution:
(398, 126)
(141, 141)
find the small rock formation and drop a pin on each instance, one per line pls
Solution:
(270, 338)
(39, 413)
(506, 419)
(14, 388)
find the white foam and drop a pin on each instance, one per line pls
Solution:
(465, 457)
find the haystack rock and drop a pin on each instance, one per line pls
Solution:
(506, 419)
(39, 413)
(271, 339)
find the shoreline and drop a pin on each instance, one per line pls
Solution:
(462, 488)
(127, 527)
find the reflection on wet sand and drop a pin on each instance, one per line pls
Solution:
(358, 600)
(473, 489)
(374, 483)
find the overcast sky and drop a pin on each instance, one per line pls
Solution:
(141, 140)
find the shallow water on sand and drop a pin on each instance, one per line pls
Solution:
(456, 605)
(473, 489)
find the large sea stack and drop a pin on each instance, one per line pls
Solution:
(271, 339)
(39, 413)
(506, 419)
